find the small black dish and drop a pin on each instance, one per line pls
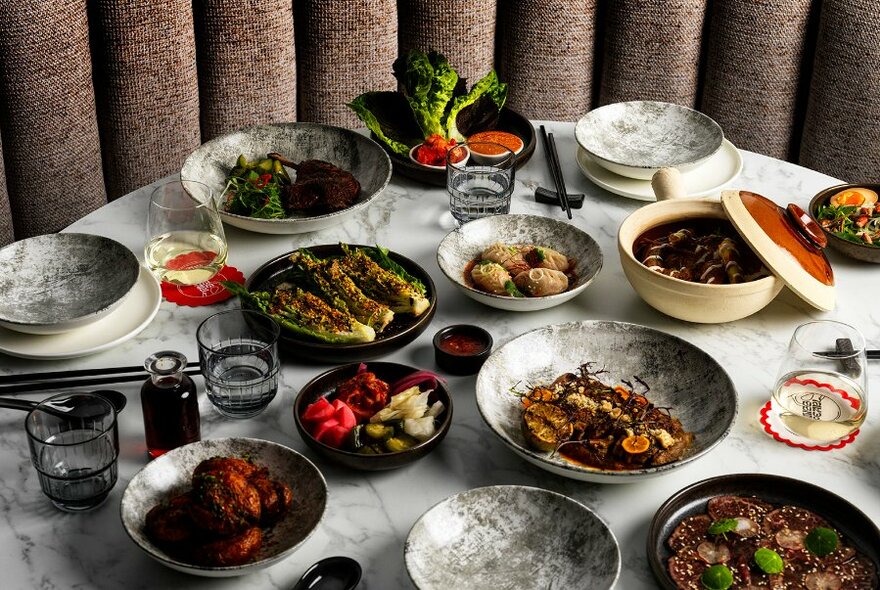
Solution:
(325, 384)
(400, 332)
(863, 252)
(467, 360)
(858, 529)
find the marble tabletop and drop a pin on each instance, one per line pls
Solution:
(369, 514)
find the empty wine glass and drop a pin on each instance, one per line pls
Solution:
(185, 240)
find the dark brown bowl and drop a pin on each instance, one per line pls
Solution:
(855, 250)
(458, 363)
(858, 529)
(400, 332)
(325, 384)
(508, 120)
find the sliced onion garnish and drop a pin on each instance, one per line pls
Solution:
(417, 378)
(362, 368)
(790, 539)
(713, 553)
(746, 527)
(822, 581)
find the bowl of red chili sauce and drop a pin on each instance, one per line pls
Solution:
(461, 349)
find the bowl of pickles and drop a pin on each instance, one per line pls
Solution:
(375, 416)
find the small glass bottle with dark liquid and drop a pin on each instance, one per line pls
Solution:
(169, 403)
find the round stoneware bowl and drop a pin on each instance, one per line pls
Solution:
(412, 157)
(211, 162)
(56, 283)
(511, 536)
(681, 377)
(170, 475)
(686, 300)
(858, 250)
(637, 138)
(325, 384)
(464, 244)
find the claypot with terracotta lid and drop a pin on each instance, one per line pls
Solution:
(787, 241)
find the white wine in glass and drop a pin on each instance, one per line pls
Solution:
(185, 240)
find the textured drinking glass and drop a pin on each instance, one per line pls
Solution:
(185, 240)
(482, 185)
(74, 445)
(238, 352)
(821, 390)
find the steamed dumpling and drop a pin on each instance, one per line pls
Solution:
(510, 257)
(490, 277)
(541, 257)
(539, 282)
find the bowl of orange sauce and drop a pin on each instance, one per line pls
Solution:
(485, 148)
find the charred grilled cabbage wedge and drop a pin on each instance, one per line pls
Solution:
(384, 285)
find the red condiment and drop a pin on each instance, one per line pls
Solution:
(508, 140)
(462, 344)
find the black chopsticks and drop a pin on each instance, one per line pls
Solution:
(872, 355)
(555, 169)
(79, 378)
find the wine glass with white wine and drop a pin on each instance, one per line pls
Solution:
(821, 391)
(185, 240)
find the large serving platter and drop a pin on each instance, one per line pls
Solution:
(400, 332)
(856, 527)
(680, 375)
(508, 120)
(211, 162)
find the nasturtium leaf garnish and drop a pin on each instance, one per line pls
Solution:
(717, 577)
(769, 561)
(721, 526)
(821, 541)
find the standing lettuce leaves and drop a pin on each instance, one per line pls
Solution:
(478, 110)
(428, 82)
(387, 114)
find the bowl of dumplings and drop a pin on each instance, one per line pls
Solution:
(519, 262)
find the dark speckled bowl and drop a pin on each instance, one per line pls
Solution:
(325, 384)
(849, 520)
(861, 252)
(680, 375)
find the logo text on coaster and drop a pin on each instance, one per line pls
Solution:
(205, 293)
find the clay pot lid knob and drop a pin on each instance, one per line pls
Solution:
(667, 184)
(806, 226)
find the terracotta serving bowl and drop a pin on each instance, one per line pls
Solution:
(692, 302)
(862, 252)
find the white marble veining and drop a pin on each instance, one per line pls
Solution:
(369, 514)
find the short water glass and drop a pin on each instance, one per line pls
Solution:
(186, 244)
(821, 390)
(481, 185)
(74, 446)
(238, 353)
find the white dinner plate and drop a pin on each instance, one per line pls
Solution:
(705, 180)
(126, 321)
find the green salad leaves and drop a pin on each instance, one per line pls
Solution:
(433, 100)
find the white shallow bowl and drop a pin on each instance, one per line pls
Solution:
(490, 159)
(171, 474)
(637, 138)
(463, 244)
(56, 283)
(511, 537)
(211, 162)
(680, 375)
(412, 157)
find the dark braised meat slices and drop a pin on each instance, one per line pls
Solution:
(319, 185)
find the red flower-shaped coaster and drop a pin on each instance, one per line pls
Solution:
(204, 293)
(769, 419)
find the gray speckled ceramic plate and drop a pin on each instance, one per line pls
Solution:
(351, 151)
(463, 244)
(680, 376)
(170, 475)
(635, 138)
(511, 538)
(56, 283)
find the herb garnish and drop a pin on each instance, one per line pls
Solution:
(717, 577)
(821, 541)
(769, 561)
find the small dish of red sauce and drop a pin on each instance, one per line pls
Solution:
(461, 349)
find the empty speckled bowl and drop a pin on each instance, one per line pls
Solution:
(59, 282)
(170, 475)
(637, 138)
(211, 162)
(681, 376)
(463, 244)
(511, 537)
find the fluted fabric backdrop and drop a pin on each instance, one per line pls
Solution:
(100, 97)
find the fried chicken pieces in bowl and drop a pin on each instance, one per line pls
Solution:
(224, 507)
